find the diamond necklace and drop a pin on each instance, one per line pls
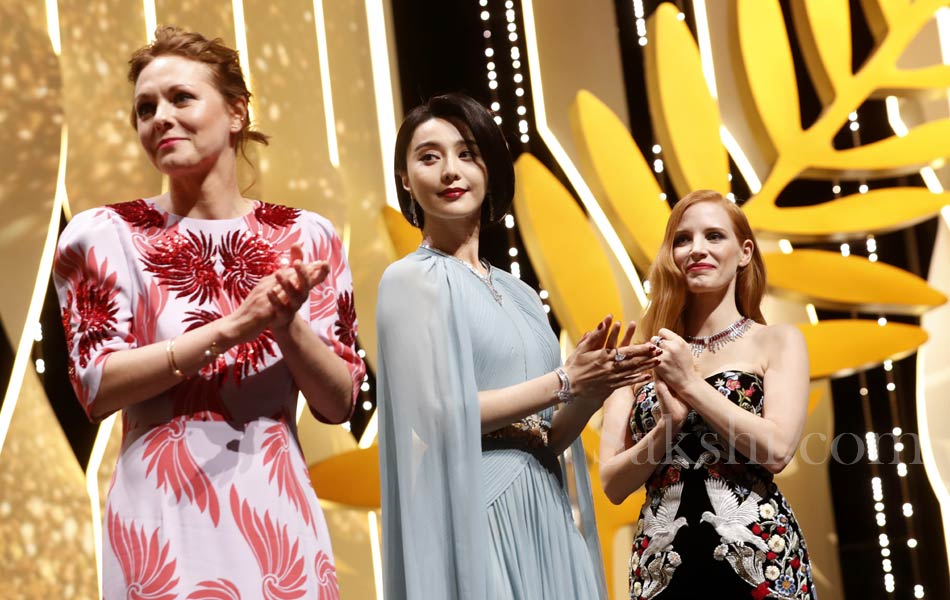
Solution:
(716, 341)
(486, 279)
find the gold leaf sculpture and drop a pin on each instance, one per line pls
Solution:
(686, 119)
(619, 177)
(841, 347)
(405, 237)
(809, 276)
(564, 249)
(687, 125)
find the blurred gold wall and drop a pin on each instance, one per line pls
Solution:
(313, 67)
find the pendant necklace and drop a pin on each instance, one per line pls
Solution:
(716, 341)
(486, 279)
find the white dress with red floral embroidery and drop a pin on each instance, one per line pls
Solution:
(211, 498)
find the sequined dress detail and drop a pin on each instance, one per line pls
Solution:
(210, 497)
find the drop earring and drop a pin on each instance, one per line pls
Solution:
(412, 212)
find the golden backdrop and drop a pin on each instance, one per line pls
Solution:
(314, 69)
(323, 84)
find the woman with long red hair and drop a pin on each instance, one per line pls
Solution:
(722, 416)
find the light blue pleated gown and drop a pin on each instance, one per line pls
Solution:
(461, 521)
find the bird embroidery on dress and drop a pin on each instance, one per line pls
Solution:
(730, 518)
(661, 527)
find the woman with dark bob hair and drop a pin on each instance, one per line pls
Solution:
(200, 314)
(723, 415)
(469, 376)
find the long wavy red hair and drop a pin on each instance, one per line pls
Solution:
(668, 292)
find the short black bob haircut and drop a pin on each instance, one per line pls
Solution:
(460, 109)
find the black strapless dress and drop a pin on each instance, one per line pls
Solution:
(714, 525)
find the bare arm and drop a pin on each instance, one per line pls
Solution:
(131, 376)
(594, 374)
(772, 438)
(320, 374)
(625, 466)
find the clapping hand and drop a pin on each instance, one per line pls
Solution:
(598, 366)
(276, 298)
(293, 285)
(676, 366)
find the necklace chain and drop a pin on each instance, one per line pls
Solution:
(486, 279)
(716, 341)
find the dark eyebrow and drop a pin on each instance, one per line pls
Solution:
(426, 144)
(174, 88)
(468, 143)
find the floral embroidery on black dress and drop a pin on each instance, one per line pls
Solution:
(714, 524)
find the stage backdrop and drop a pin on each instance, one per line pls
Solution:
(323, 84)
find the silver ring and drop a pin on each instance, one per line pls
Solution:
(656, 340)
(619, 356)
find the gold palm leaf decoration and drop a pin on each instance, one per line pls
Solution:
(405, 238)
(695, 159)
(619, 177)
(564, 249)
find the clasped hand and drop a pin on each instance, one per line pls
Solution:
(675, 370)
(276, 298)
(598, 366)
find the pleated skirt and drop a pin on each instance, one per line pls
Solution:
(535, 551)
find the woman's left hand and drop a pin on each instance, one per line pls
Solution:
(293, 286)
(676, 366)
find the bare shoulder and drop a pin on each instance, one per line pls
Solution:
(781, 333)
(782, 341)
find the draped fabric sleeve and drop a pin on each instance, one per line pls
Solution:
(332, 308)
(434, 517)
(581, 480)
(95, 290)
(585, 505)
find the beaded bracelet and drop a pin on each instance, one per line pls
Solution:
(564, 395)
(213, 351)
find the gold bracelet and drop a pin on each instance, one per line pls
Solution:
(170, 353)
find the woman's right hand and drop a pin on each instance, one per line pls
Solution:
(672, 408)
(593, 369)
(267, 303)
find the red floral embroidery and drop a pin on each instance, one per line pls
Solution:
(326, 577)
(91, 304)
(139, 214)
(762, 591)
(199, 399)
(148, 570)
(282, 567)
(168, 455)
(195, 319)
(276, 448)
(247, 259)
(219, 589)
(345, 326)
(276, 216)
(251, 356)
(184, 264)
